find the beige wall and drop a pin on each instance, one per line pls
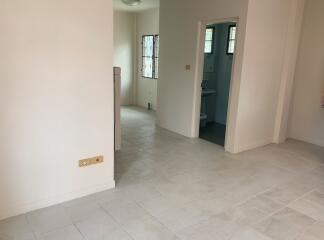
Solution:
(147, 24)
(307, 116)
(124, 53)
(56, 101)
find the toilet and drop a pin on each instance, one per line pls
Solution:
(203, 119)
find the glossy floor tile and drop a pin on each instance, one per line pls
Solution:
(311, 204)
(66, 233)
(287, 224)
(314, 232)
(172, 187)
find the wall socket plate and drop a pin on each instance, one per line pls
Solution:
(91, 161)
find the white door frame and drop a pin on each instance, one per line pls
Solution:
(233, 95)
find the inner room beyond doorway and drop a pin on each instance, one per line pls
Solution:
(218, 61)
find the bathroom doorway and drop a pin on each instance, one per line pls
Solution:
(219, 50)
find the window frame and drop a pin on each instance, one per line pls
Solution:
(212, 41)
(229, 39)
(155, 56)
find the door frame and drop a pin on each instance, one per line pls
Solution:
(233, 93)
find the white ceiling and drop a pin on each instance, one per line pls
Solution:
(146, 4)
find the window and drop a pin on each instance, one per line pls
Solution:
(150, 56)
(209, 40)
(231, 40)
(156, 56)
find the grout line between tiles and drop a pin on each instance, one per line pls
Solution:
(287, 206)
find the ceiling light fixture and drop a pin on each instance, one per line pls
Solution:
(132, 2)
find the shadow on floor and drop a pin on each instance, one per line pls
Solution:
(213, 132)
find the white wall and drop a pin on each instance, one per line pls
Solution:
(124, 53)
(267, 29)
(307, 118)
(179, 31)
(257, 74)
(147, 24)
(288, 70)
(56, 101)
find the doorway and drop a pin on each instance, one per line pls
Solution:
(219, 47)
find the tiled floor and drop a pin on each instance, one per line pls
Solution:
(171, 187)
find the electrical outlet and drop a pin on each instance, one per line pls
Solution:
(91, 161)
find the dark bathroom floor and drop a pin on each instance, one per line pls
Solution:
(213, 132)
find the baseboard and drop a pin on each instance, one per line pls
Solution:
(43, 203)
(251, 146)
(308, 140)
